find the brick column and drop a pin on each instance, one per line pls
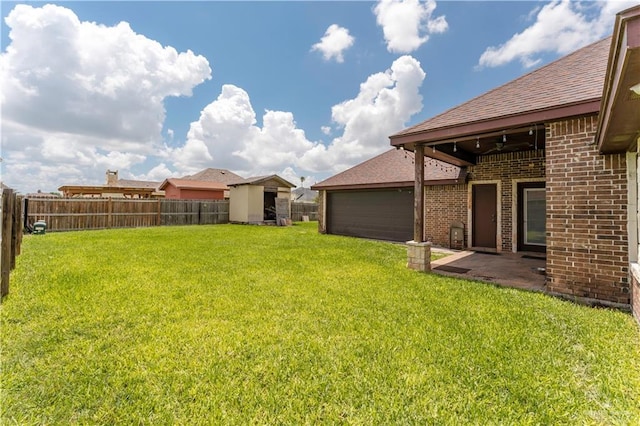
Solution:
(419, 256)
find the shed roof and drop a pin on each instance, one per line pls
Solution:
(569, 86)
(392, 169)
(257, 180)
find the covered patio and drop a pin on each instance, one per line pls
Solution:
(525, 271)
(551, 164)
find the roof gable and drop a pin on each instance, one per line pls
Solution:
(271, 180)
(394, 168)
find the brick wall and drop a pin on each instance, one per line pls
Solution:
(586, 215)
(444, 205)
(507, 168)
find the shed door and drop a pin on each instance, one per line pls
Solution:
(380, 214)
(484, 216)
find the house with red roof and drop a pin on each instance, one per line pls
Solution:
(374, 199)
(551, 166)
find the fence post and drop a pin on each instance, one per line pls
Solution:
(109, 213)
(7, 225)
(159, 216)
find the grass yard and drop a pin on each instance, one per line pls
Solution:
(231, 324)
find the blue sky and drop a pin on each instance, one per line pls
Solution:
(156, 89)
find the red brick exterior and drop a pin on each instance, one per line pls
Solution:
(587, 249)
(443, 206)
(446, 204)
(507, 168)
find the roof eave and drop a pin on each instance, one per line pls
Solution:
(389, 185)
(618, 126)
(504, 123)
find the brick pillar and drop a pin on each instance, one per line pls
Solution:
(419, 256)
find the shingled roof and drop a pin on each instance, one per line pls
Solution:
(571, 85)
(215, 175)
(392, 169)
(256, 180)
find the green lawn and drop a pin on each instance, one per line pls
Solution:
(231, 324)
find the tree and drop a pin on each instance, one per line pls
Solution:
(302, 179)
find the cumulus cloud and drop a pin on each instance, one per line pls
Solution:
(386, 101)
(227, 132)
(85, 92)
(560, 27)
(407, 24)
(334, 43)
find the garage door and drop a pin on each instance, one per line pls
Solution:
(380, 214)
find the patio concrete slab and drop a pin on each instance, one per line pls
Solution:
(519, 270)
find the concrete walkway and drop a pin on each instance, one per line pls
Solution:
(518, 270)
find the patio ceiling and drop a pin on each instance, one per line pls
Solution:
(462, 151)
(619, 122)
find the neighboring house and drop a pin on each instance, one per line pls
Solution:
(115, 188)
(260, 199)
(551, 160)
(187, 189)
(216, 175)
(304, 195)
(374, 199)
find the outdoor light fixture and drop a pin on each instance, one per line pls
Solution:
(477, 143)
(455, 147)
(530, 131)
(433, 148)
(504, 138)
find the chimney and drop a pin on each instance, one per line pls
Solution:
(112, 178)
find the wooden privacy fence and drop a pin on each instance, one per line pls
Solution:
(70, 214)
(11, 236)
(304, 209)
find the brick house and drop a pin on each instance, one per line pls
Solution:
(374, 199)
(551, 164)
(187, 189)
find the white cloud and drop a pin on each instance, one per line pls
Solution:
(326, 130)
(386, 101)
(407, 24)
(81, 92)
(227, 133)
(334, 43)
(79, 98)
(561, 27)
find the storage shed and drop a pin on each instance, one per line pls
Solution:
(263, 199)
